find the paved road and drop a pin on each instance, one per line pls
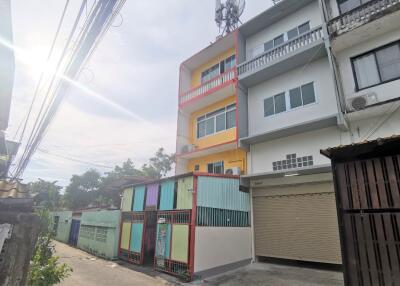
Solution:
(91, 271)
(266, 274)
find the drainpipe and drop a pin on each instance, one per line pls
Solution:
(343, 122)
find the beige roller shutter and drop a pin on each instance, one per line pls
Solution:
(297, 222)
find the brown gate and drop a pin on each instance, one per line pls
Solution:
(368, 200)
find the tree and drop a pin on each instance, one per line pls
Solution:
(44, 267)
(81, 190)
(159, 165)
(93, 189)
(45, 194)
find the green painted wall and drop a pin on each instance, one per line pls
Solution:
(99, 233)
(127, 200)
(64, 224)
(180, 242)
(185, 194)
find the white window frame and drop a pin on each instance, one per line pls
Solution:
(219, 68)
(228, 108)
(287, 100)
(214, 165)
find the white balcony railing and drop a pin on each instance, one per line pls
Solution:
(361, 15)
(208, 86)
(280, 51)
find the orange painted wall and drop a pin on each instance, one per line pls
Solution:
(196, 74)
(217, 138)
(232, 158)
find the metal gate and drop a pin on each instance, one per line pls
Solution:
(172, 243)
(74, 232)
(368, 196)
(131, 237)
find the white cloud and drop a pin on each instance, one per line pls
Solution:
(136, 66)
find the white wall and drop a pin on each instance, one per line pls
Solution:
(218, 246)
(317, 72)
(385, 125)
(384, 91)
(311, 13)
(263, 154)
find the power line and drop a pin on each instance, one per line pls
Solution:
(73, 159)
(43, 72)
(39, 120)
(89, 37)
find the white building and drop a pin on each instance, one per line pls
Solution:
(312, 74)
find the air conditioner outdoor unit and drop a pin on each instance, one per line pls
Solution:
(187, 148)
(233, 171)
(360, 102)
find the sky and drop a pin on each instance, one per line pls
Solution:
(134, 73)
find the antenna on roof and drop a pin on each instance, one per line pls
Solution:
(276, 1)
(227, 15)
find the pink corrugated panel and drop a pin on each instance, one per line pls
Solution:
(152, 195)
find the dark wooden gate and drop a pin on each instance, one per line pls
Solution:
(368, 200)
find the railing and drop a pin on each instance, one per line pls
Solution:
(208, 86)
(281, 50)
(360, 15)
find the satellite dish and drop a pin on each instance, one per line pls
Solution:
(227, 14)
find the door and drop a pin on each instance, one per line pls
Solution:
(297, 222)
(150, 236)
(74, 233)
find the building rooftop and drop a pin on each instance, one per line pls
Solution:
(365, 149)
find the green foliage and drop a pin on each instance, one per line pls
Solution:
(45, 270)
(92, 189)
(159, 165)
(81, 190)
(46, 194)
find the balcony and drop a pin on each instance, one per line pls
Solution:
(217, 85)
(363, 14)
(289, 55)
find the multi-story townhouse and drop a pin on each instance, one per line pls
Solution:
(312, 74)
(365, 49)
(207, 136)
(288, 96)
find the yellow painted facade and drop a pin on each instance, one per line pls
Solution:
(232, 158)
(214, 139)
(196, 74)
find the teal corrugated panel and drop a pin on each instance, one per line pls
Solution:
(163, 243)
(221, 193)
(138, 200)
(136, 237)
(167, 195)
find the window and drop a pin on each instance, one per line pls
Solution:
(303, 28)
(217, 69)
(197, 167)
(298, 96)
(219, 120)
(275, 104)
(230, 63)
(302, 95)
(348, 5)
(279, 40)
(378, 66)
(216, 168)
(231, 116)
(210, 73)
(269, 45)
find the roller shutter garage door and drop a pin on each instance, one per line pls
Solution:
(297, 222)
